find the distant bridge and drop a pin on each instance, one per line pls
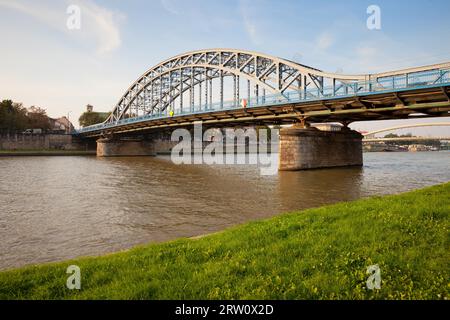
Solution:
(407, 139)
(416, 125)
(268, 90)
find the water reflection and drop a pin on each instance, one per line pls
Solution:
(318, 187)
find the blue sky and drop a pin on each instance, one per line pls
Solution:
(43, 63)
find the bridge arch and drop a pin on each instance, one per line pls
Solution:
(166, 84)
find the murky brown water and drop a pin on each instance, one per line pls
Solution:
(55, 208)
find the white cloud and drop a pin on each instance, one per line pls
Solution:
(104, 24)
(99, 25)
(325, 41)
(365, 51)
(249, 23)
(251, 30)
(40, 12)
(170, 7)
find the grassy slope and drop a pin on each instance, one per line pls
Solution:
(313, 254)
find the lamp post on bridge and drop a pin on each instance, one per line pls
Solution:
(69, 129)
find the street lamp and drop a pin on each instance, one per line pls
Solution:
(68, 122)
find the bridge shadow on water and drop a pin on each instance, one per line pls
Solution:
(313, 188)
(223, 195)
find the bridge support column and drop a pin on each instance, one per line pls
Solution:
(310, 148)
(124, 147)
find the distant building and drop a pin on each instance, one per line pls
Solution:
(328, 126)
(418, 148)
(368, 136)
(90, 109)
(61, 125)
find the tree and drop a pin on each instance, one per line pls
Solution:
(91, 118)
(408, 135)
(38, 119)
(13, 116)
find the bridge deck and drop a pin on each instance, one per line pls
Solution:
(367, 101)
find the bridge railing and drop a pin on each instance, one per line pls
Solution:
(422, 79)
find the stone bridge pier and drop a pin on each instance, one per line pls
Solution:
(300, 148)
(152, 144)
(310, 148)
(110, 147)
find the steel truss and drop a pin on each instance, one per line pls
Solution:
(187, 81)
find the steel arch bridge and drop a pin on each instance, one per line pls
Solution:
(265, 89)
(165, 85)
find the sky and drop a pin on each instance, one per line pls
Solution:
(45, 63)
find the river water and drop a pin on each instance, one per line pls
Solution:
(56, 208)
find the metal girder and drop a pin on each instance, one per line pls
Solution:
(288, 115)
(399, 99)
(444, 91)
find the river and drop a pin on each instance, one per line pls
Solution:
(56, 208)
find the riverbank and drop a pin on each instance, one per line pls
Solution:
(37, 153)
(319, 253)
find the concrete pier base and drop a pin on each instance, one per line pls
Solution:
(310, 148)
(128, 147)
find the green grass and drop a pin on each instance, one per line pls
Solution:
(319, 253)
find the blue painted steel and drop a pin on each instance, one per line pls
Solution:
(417, 80)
